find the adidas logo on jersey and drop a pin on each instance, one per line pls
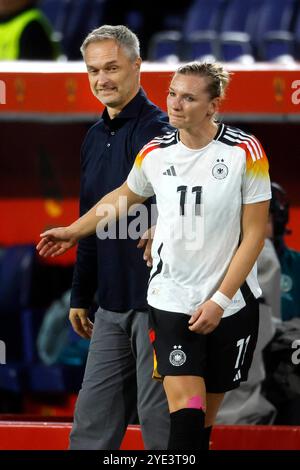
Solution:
(170, 171)
(237, 376)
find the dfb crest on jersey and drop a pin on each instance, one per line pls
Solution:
(177, 356)
(220, 170)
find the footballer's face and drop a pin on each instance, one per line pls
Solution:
(114, 78)
(189, 104)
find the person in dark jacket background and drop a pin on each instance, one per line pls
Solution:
(289, 258)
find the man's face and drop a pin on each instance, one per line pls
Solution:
(114, 78)
(189, 104)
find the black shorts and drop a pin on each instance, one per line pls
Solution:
(222, 358)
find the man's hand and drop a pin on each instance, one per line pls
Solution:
(146, 243)
(56, 241)
(81, 324)
(206, 318)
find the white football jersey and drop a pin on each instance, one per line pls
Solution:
(199, 196)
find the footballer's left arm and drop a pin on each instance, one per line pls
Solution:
(254, 224)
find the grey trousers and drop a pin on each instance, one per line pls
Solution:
(120, 358)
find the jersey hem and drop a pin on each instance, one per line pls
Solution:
(259, 198)
(139, 193)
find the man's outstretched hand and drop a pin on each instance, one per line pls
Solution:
(56, 241)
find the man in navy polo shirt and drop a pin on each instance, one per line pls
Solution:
(120, 354)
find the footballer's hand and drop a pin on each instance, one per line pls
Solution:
(146, 243)
(206, 318)
(56, 241)
(80, 322)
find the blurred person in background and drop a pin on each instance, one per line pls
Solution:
(281, 386)
(289, 258)
(25, 33)
(261, 401)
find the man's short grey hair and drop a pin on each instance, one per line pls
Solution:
(122, 35)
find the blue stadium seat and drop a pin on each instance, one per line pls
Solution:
(54, 379)
(82, 16)
(72, 20)
(236, 47)
(297, 35)
(134, 20)
(166, 46)
(272, 26)
(16, 265)
(202, 45)
(172, 21)
(12, 377)
(235, 42)
(203, 15)
(278, 46)
(236, 15)
(200, 29)
(16, 287)
(54, 11)
(15, 277)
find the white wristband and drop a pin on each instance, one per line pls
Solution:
(221, 300)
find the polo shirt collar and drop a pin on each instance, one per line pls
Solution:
(131, 111)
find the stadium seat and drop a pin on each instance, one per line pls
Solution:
(272, 28)
(166, 46)
(72, 20)
(236, 15)
(16, 267)
(202, 45)
(22, 307)
(57, 12)
(18, 287)
(235, 47)
(134, 20)
(82, 16)
(15, 277)
(235, 42)
(54, 379)
(297, 35)
(12, 377)
(278, 46)
(54, 11)
(200, 29)
(203, 15)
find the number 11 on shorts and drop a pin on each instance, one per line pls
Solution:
(242, 345)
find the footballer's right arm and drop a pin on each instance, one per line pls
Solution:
(56, 241)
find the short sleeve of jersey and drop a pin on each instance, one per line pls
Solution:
(256, 186)
(137, 179)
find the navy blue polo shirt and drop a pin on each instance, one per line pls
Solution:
(113, 267)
